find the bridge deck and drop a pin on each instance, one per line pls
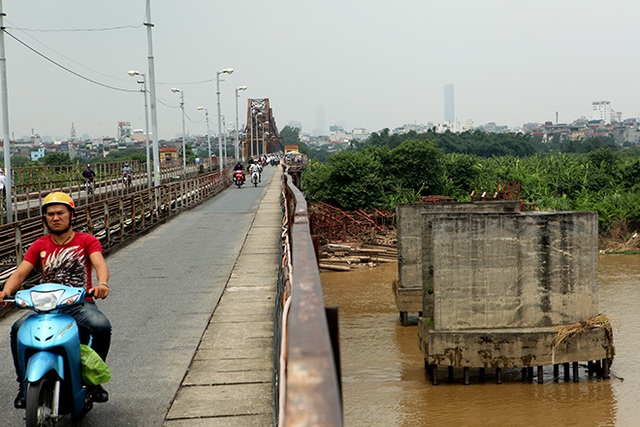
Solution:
(230, 378)
(192, 307)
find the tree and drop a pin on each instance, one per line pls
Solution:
(56, 159)
(350, 180)
(462, 171)
(290, 135)
(18, 161)
(128, 154)
(416, 164)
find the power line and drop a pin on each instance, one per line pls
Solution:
(69, 30)
(69, 59)
(95, 71)
(65, 68)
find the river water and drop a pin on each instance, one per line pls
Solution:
(385, 384)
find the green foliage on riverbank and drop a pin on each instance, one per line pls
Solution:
(382, 176)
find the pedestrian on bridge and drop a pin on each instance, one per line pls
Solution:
(67, 257)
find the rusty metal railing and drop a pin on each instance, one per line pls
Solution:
(307, 383)
(116, 219)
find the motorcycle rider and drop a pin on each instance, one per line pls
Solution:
(127, 172)
(238, 167)
(255, 167)
(88, 174)
(65, 256)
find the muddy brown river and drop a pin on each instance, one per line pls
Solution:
(384, 381)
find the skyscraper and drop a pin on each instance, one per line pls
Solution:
(320, 122)
(449, 105)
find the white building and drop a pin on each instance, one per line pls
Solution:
(601, 110)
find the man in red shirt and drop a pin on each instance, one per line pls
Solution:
(67, 257)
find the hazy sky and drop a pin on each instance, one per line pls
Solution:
(369, 63)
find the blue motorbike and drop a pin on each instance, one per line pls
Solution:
(49, 355)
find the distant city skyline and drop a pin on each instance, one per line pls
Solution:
(372, 65)
(600, 110)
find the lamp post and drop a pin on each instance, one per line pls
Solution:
(152, 103)
(237, 144)
(224, 138)
(184, 133)
(225, 71)
(265, 132)
(143, 81)
(206, 114)
(5, 123)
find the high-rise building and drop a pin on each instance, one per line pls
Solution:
(449, 104)
(320, 122)
(601, 110)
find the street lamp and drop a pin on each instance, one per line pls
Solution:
(143, 81)
(206, 114)
(225, 71)
(265, 132)
(237, 144)
(224, 137)
(184, 133)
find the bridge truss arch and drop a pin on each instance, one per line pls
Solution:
(260, 134)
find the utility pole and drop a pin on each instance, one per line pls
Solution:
(5, 120)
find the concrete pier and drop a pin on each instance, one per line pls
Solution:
(408, 292)
(499, 287)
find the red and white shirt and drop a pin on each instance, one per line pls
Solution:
(68, 264)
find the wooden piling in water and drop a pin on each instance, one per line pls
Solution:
(498, 375)
(576, 372)
(465, 372)
(556, 372)
(606, 374)
(567, 376)
(540, 374)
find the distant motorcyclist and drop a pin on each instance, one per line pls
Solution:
(88, 174)
(238, 167)
(256, 168)
(127, 173)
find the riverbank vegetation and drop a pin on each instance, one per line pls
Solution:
(386, 170)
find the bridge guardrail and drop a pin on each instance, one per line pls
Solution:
(113, 220)
(33, 183)
(307, 383)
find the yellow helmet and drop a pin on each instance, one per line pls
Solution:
(58, 198)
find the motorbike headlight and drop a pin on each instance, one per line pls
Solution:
(46, 301)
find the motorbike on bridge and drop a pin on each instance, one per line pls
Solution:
(255, 177)
(55, 367)
(238, 178)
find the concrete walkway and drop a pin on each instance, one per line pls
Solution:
(229, 382)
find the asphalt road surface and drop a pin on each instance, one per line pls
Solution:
(164, 288)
